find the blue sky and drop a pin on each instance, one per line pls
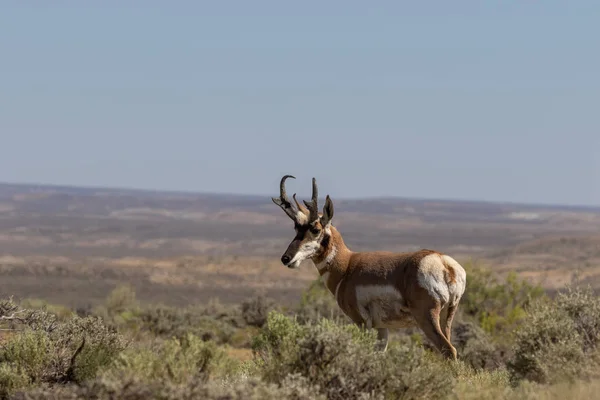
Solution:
(454, 100)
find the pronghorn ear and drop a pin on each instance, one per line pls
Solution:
(327, 212)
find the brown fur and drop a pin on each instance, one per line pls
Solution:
(350, 269)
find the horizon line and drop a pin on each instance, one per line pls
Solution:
(354, 198)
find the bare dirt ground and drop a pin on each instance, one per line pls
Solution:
(74, 245)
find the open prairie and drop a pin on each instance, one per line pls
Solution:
(74, 245)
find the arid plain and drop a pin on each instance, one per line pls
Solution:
(74, 245)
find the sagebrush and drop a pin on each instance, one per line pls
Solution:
(513, 341)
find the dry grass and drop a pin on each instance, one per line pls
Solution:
(572, 391)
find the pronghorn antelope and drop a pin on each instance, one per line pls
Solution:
(379, 290)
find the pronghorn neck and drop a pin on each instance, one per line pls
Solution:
(332, 261)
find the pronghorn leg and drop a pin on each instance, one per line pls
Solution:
(446, 321)
(382, 339)
(429, 322)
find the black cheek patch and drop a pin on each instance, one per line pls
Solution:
(325, 241)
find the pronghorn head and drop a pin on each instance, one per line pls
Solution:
(311, 227)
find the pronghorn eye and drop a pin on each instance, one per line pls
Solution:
(314, 231)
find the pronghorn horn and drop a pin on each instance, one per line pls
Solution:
(300, 206)
(283, 201)
(312, 206)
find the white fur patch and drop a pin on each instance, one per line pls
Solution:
(431, 277)
(379, 303)
(305, 251)
(457, 289)
(330, 257)
(302, 218)
(366, 293)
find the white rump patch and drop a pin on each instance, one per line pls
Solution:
(457, 289)
(431, 277)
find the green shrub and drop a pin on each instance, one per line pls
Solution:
(205, 322)
(277, 341)
(30, 353)
(341, 362)
(121, 299)
(12, 378)
(62, 313)
(13, 316)
(84, 346)
(476, 348)
(256, 310)
(295, 388)
(497, 306)
(559, 340)
(45, 350)
(583, 307)
(174, 360)
(513, 343)
(120, 309)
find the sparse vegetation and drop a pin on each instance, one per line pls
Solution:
(42, 349)
(497, 306)
(538, 347)
(559, 340)
(71, 246)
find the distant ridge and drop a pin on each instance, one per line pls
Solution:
(78, 189)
